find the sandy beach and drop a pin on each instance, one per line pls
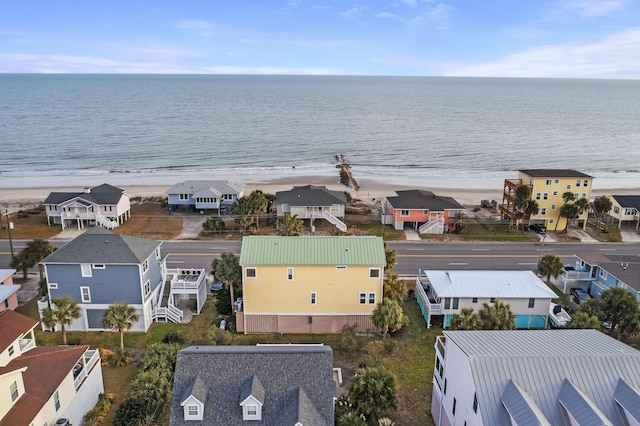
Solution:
(467, 192)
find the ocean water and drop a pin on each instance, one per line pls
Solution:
(60, 130)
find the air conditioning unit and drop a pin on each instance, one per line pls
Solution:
(62, 422)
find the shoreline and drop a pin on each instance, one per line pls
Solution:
(468, 192)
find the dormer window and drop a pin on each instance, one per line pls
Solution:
(251, 399)
(193, 408)
(251, 409)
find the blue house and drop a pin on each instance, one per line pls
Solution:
(99, 268)
(597, 272)
(442, 294)
(201, 195)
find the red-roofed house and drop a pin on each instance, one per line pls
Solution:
(424, 211)
(39, 385)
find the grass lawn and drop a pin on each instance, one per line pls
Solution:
(151, 221)
(491, 232)
(28, 225)
(562, 298)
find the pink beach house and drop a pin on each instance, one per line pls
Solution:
(8, 290)
(421, 210)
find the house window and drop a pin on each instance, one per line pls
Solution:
(98, 266)
(312, 298)
(456, 300)
(492, 300)
(372, 298)
(550, 221)
(374, 273)
(445, 386)
(86, 269)
(555, 193)
(543, 211)
(616, 210)
(14, 391)
(578, 182)
(56, 400)
(335, 207)
(475, 402)
(341, 268)
(252, 410)
(447, 302)
(363, 298)
(184, 196)
(576, 196)
(545, 196)
(532, 302)
(192, 410)
(585, 182)
(548, 182)
(158, 253)
(629, 212)
(553, 206)
(584, 195)
(453, 409)
(53, 286)
(557, 181)
(603, 274)
(251, 273)
(425, 212)
(11, 350)
(108, 208)
(290, 274)
(474, 300)
(85, 293)
(537, 195)
(404, 212)
(286, 207)
(6, 303)
(147, 287)
(145, 266)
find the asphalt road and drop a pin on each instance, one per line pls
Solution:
(411, 256)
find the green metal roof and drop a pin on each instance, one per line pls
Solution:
(264, 250)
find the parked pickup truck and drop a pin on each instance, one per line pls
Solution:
(558, 317)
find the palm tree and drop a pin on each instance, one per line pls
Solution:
(227, 270)
(373, 392)
(496, 317)
(584, 320)
(259, 205)
(530, 208)
(566, 198)
(621, 310)
(591, 307)
(568, 211)
(37, 250)
(521, 195)
(601, 206)
(467, 319)
(390, 255)
(549, 266)
(290, 225)
(393, 287)
(388, 316)
(119, 317)
(22, 262)
(63, 311)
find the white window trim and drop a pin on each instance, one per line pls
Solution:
(85, 270)
(286, 207)
(361, 297)
(98, 266)
(603, 274)
(56, 401)
(313, 298)
(147, 288)
(255, 273)
(369, 296)
(53, 286)
(404, 213)
(335, 208)
(16, 391)
(11, 350)
(290, 274)
(374, 269)
(82, 295)
(341, 267)
(145, 266)
(192, 414)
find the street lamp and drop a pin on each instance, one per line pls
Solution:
(9, 226)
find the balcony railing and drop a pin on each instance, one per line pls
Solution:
(433, 308)
(440, 342)
(82, 369)
(186, 278)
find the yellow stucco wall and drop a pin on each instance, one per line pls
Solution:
(337, 291)
(551, 215)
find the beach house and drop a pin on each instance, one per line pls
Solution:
(42, 385)
(547, 187)
(625, 209)
(8, 290)
(309, 284)
(534, 377)
(441, 294)
(203, 195)
(313, 202)
(423, 210)
(99, 268)
(104, 205)
(263, 384)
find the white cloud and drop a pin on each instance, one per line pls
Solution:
(612, 56)
(201, 27)
(351, 12)
(595, 8)
(387, 15)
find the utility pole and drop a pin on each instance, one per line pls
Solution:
(9, 226)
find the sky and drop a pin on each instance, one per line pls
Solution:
(483, 38)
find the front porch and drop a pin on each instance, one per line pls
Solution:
(183, 294)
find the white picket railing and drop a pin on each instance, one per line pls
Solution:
(335, 221)
(106, 222)
(434, 226)
(168, 313)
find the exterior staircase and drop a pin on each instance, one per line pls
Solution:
(434, 226)
(335, 221)
(106, 222)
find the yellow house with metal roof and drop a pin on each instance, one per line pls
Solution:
(310, 284)
(547, 187)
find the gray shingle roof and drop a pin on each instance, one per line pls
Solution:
(252, 387)
(104, 194)
(612, 263)
(417, 199)
(539, 361)
(98, 245)
(206, 187)
(552, 173)
(627, 201)
(197, 389)
(310, 196)
(280, 369)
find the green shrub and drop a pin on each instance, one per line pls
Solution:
(96, 415)
(119, 359)
(348, 340)
(173, 338)
(218, 336)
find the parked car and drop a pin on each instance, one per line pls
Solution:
(215, 286)
(580, 296)
(536, 227)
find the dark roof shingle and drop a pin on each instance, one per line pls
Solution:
(310, 195)
(417, 199)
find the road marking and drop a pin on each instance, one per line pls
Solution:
(176, 261)
(480, 249)
(458, 263)
(606, 249)
(416, 249)
(527, 264)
